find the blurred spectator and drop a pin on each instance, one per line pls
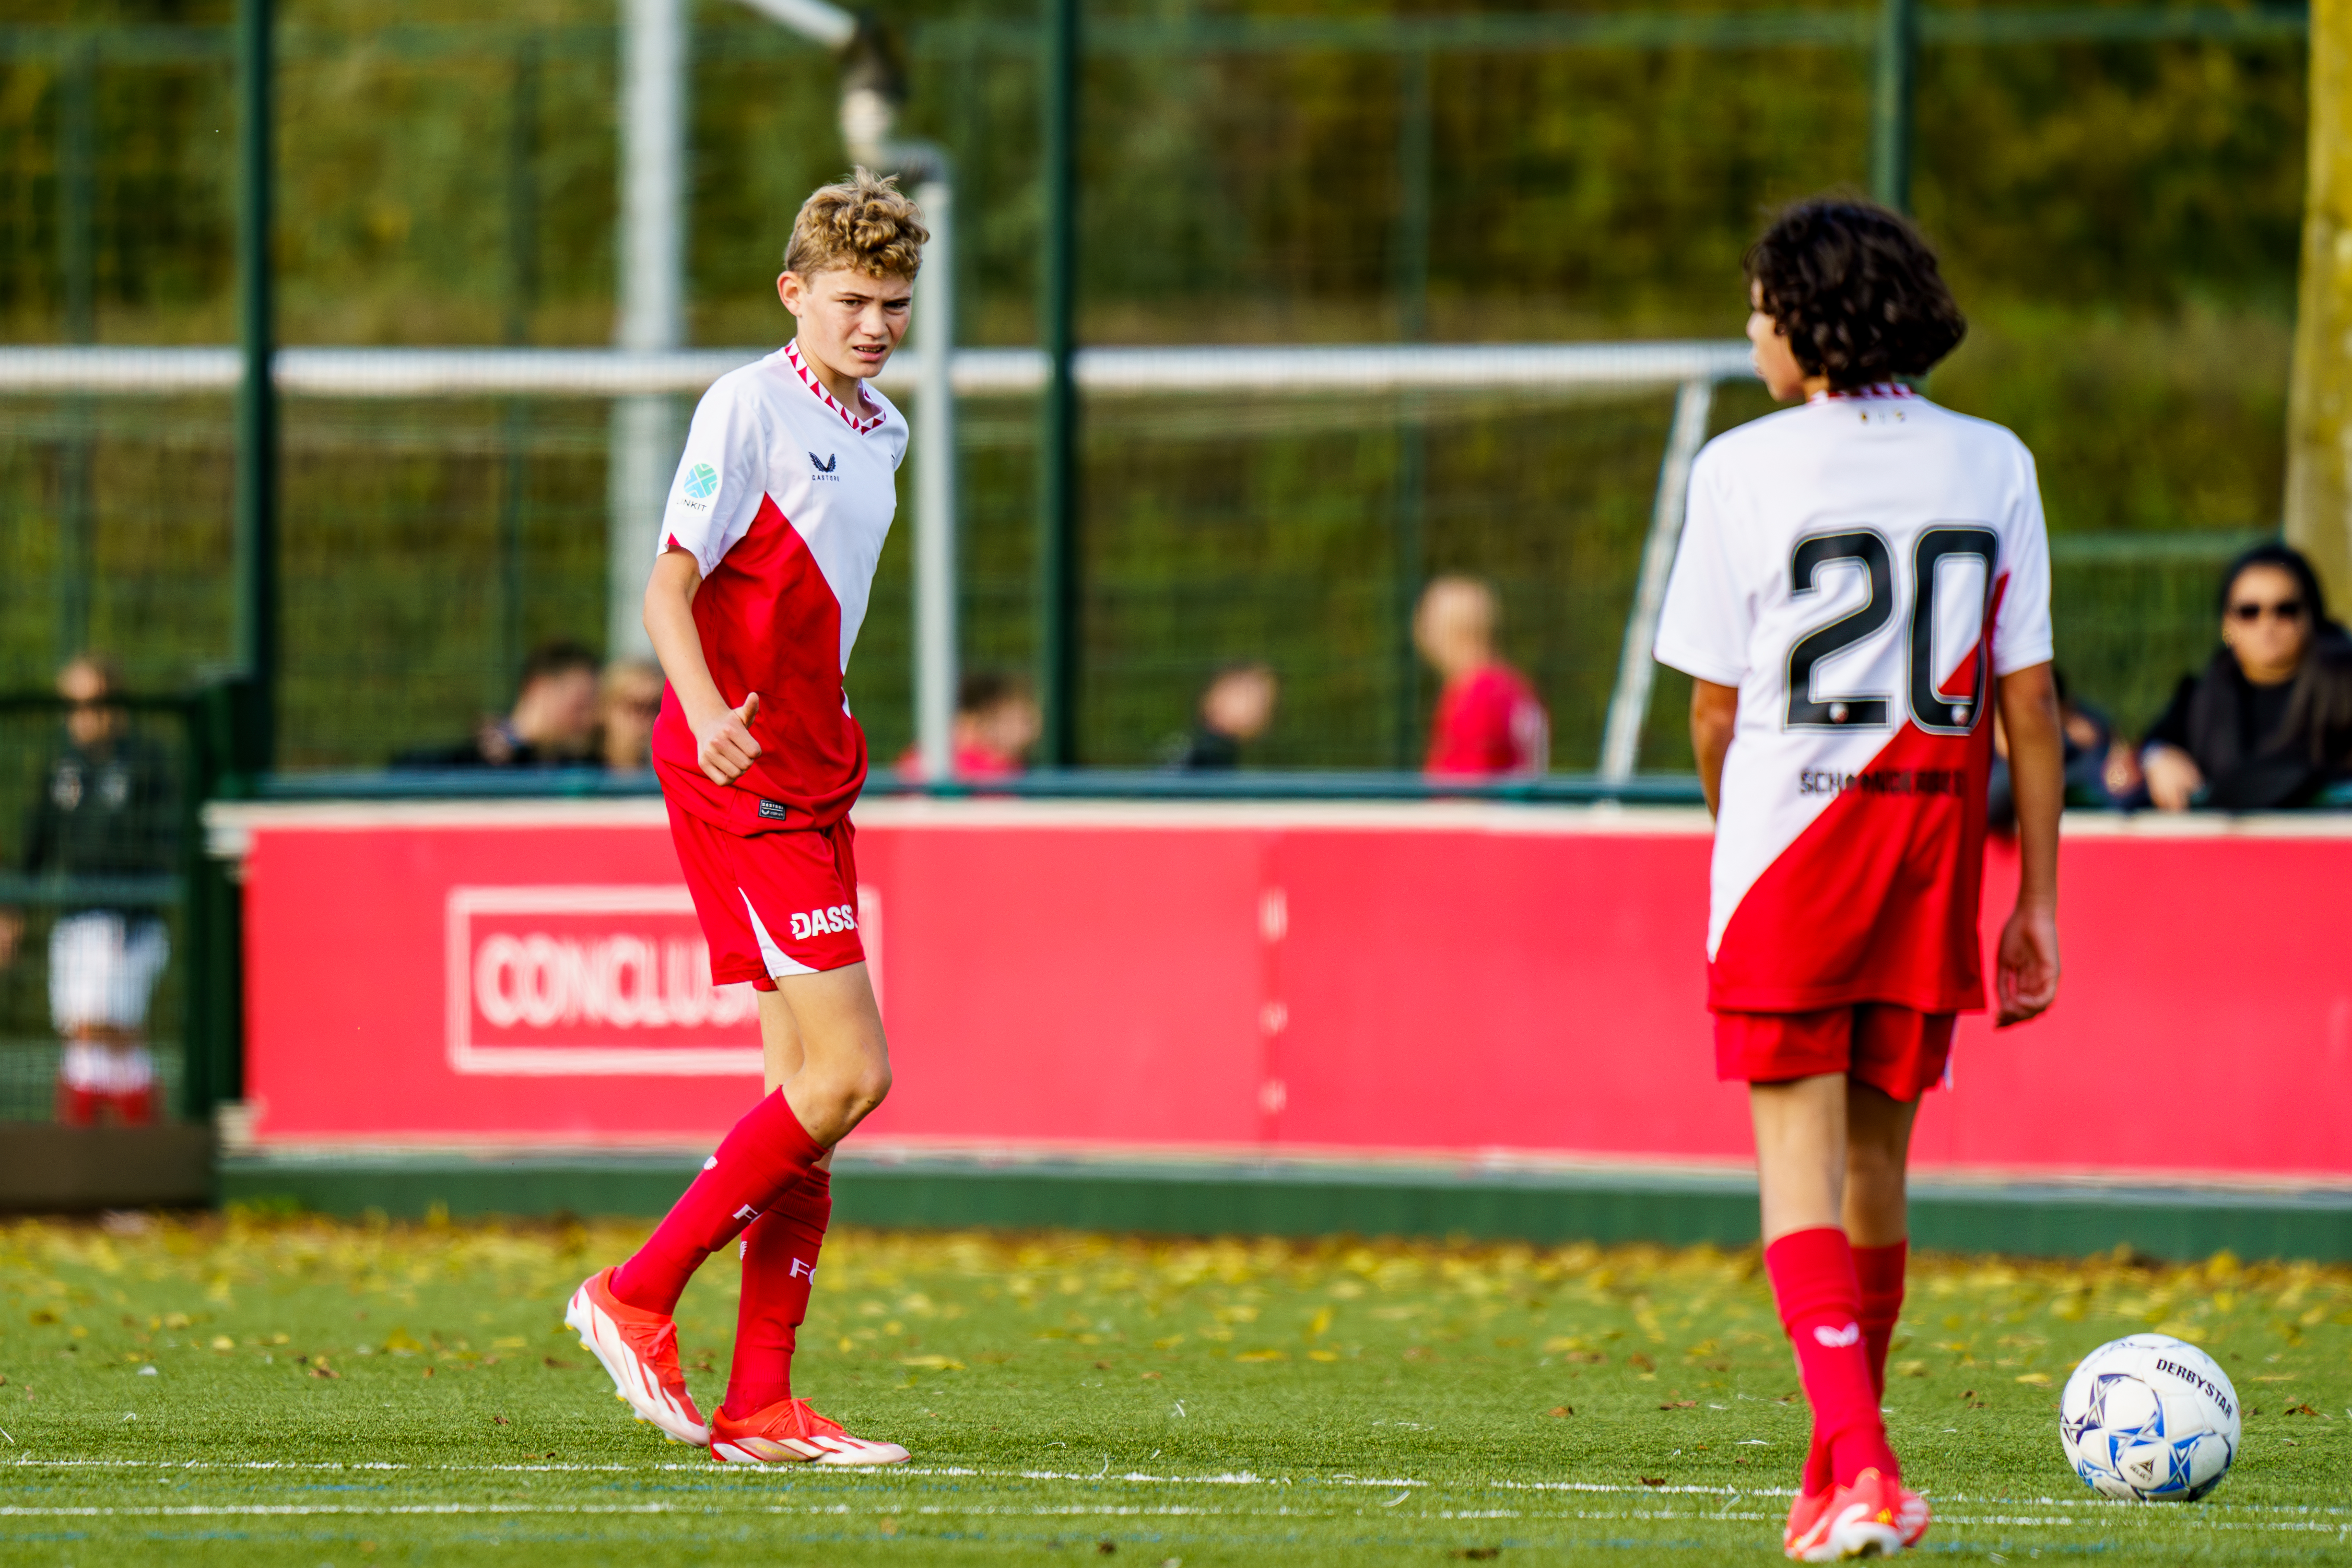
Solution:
(2101, 769)
(2269, 722)
(1489, 721)
(553, 721)
(628, 700)
(1234, 710)
(107, 809)
(996, 723)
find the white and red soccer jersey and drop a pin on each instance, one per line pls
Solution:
(783, 498)
(1861, 569)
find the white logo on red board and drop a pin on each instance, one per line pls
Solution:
(627, 980)
(590, 980)
(606, 980)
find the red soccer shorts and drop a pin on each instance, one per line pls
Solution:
(770, 904)
(1895, 1050)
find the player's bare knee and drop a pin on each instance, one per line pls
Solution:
(847, 1090)
(1874, 1173)
(869, 1086)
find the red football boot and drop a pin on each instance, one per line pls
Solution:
(639, 1349)
(787, 1432)
(1865, 1520)
(1912, 1517)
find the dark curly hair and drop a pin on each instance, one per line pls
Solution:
(1856, 290)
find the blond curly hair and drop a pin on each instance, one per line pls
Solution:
(862, 222)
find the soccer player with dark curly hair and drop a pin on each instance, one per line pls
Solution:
(769, 543)
(1860, 579)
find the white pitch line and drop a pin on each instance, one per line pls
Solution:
(2209, 1516)
(238, 1465)
(271, 1509)
(743, 1474)
(274, 1510)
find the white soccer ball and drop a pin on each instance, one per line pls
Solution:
(2149, 1417)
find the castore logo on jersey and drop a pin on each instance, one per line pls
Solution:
(824, 467)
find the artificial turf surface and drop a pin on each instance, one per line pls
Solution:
(256, 1390)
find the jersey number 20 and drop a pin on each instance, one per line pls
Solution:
(1934, 711)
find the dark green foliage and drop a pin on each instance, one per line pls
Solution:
(2119, 221)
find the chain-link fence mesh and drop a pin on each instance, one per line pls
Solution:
(427, 545)
(2118, 210)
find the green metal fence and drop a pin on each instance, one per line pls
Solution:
(1349, 174)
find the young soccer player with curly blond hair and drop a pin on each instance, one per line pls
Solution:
(769, 543)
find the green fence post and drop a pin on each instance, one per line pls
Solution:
(522, 303)
(78, 265)
(1894, 84)
(1409, 498)
(1058, 599)
(256, 399)
(214, 1028)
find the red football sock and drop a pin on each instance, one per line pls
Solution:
(778, 1270)
(1879, 1271)
(762, 1155)
(1818, 1475)
(1813, 1282)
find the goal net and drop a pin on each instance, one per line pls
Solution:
(443, 510)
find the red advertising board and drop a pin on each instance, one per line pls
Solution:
(1467, 980)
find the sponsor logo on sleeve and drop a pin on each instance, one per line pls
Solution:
(700, 483)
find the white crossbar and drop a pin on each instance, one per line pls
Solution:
(979, 372)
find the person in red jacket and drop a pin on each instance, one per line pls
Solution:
(996, 723)
(1489, 721)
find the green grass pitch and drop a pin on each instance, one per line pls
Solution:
(256, 1390)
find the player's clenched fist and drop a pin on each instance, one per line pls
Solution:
(2025, 981)
(724, 745)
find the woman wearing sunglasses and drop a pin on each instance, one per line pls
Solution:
(2269, 723)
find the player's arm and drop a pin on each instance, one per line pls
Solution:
(2027, 978)
(1713, 710)
(724, 745)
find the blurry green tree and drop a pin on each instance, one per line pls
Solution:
(2120, 218)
